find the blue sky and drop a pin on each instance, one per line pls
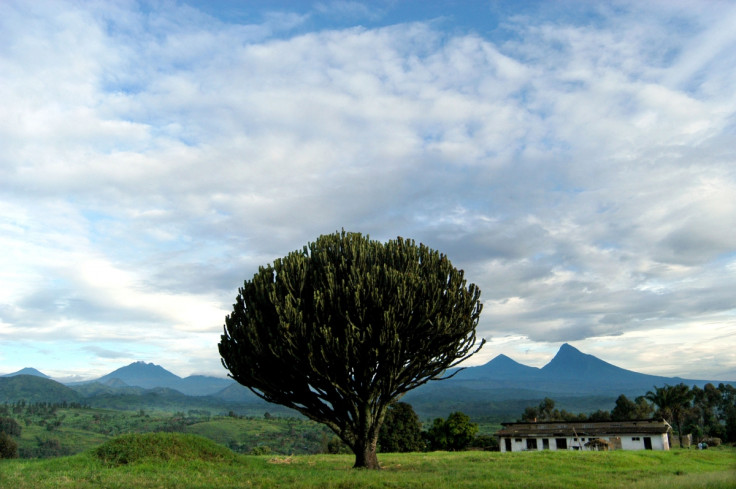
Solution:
(576, 159)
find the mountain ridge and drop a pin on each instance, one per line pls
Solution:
(577, 380)
(570, 371)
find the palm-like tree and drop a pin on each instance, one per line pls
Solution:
(672, 402)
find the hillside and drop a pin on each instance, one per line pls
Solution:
(32, 388)
(27, 371)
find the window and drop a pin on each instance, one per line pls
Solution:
(561, 443)
(531, 443)
(545, 444)
(635, 438)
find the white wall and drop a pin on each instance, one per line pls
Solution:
(628, 442)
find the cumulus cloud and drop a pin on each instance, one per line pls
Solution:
(579, 169)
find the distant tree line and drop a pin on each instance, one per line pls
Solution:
(706, 413)
(38, 408)
(402, 431)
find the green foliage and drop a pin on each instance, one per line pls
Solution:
(401, 430)
(8, 446)
(455, 433)
(335, 445)
(32, 389)
(342, 328)
(10, 426)
(132, 448)
(485, 442)
(546, 411)
(282, 435)
(672, 404)
(625, 408)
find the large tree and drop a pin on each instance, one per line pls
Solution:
(672, 403)
(344, 327)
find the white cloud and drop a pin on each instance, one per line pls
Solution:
(582, 175)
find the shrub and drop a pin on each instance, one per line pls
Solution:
(8, 446)
(452, 434)
(10, 426)
(401, 430)
(127, 449)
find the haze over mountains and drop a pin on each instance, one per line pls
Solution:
(570, 375)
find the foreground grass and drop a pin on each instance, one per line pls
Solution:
(714, 468)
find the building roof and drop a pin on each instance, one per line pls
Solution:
(583, 429)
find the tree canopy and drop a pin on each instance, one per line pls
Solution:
(455, 433)
(401, 430)
(672, 403)
(344, 327)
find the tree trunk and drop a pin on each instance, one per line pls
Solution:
(365, 454)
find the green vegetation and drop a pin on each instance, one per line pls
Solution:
(51, 430)
(455, 433)
(344, 327)
(158, 447)
(34, 389)
(191, 462)
(401, 430)
(286, 436)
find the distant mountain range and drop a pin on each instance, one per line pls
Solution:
(149, 376)
(570, 372)
(575, 380)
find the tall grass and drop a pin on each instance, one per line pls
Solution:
(189, 463)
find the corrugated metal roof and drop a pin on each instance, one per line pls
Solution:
(586, 429)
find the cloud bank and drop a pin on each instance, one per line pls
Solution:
(580, 168)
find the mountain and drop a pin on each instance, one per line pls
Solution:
(149, 376)
(578, 382)
(572, 378)
(577, 370)
(500, 368)
(33, 388)
(142, 374)
(202, 385)
(570, 372)
(28, 371)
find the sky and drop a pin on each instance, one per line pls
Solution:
(576, 159)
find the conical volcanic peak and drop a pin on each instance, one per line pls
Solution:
(572, 363)
(501, 367)
(28, 371)
(146, 375)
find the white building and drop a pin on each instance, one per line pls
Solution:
(645, 434)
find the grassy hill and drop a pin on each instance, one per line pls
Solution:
(35, 389)
(187, 461)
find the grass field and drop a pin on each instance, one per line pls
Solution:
(194, 462)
